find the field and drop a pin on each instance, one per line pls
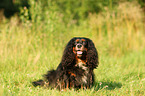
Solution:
(28, 49)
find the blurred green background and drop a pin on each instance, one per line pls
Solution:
(34, 33)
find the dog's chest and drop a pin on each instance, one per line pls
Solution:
(81, 64)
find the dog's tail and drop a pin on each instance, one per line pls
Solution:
(38, 83)
(49, 79)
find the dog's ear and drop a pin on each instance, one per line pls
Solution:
(92, 55)
(68, 55)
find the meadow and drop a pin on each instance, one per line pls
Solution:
(29, 48)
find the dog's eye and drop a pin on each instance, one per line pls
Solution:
(75, 43)
(84, 43)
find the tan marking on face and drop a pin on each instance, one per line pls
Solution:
(83, 39)
(74, 50)
(86, 49)
(77, 40)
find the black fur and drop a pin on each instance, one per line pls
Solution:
(67, 74)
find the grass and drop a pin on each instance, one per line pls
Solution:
(114, 76)
(30, 49)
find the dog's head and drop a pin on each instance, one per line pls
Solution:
(80, 47)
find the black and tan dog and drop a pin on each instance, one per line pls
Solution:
(75, 70)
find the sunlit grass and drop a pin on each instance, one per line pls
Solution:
(121, 29)
(29, 49)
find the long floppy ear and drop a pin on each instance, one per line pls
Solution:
(68, 55)
(92, 55)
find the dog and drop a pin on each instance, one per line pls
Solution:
(75, 70)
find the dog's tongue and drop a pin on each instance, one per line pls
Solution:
(79, 52)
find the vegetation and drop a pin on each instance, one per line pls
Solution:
(32, 41)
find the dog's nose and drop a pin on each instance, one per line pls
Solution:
(79, 45)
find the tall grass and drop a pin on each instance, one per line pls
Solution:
(28, 48)
(122, 28)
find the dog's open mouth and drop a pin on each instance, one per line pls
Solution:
(79, 52)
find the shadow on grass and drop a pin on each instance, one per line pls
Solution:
(107, 85)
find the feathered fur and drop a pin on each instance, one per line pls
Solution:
(75, 70)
